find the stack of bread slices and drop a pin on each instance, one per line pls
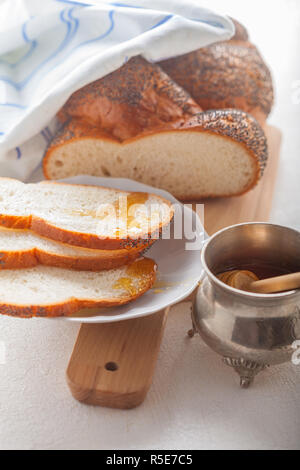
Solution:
(66, 247)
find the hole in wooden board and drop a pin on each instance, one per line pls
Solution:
(111, 366)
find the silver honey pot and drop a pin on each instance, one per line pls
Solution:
(251, 331)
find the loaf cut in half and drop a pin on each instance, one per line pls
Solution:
(21, 249)
(138, 123)
(212, 154)
(45, 291)
(228, 74)
(82, 215)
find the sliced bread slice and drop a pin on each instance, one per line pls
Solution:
(25, 249)
(50, 292)
(87, 216)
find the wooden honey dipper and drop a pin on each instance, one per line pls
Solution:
(247, 280)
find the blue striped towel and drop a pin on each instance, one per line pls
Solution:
(50, 49)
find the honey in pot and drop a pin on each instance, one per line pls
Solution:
(242, 276)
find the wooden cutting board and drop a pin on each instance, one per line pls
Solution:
(112, 364)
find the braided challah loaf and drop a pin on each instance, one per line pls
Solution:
(137, 123)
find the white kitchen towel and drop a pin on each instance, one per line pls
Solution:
(51, 48)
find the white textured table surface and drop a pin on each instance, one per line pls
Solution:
(195, 401)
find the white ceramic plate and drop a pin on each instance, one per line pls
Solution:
(179, 270)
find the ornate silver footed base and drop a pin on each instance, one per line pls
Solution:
(247, 370)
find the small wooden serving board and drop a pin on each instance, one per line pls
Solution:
(112, 364)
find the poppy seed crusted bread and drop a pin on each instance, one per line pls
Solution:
(227, 74)
(151, 130)
(137, 97)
